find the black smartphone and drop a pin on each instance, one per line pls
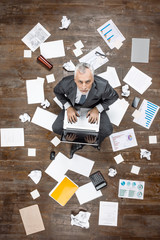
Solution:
(135, 102)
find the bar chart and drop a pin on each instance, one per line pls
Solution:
(148, 111)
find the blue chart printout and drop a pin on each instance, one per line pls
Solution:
(111, 34)
(148, 111)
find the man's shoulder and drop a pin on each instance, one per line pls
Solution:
(68, 78)
(100, 81)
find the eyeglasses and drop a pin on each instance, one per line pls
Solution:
(100, 54)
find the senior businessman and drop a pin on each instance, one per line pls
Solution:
(85, 90)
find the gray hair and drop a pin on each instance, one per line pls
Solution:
(81, 67)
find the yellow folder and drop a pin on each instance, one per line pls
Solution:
(63, 191)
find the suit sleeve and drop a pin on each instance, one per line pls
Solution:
(109, 96)
(60, 92)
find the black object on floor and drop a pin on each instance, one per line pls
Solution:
(52, 155)
(98, 180)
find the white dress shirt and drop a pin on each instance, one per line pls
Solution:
(78, 97)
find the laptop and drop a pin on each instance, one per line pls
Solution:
(82, 129)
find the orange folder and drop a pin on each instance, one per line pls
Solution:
(63, 191)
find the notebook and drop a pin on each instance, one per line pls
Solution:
(63, 191)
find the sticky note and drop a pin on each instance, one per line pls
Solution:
(27, 53)
(77, 52)
(79, 44)
(55, 141)
(152, 139)
(135, 169)
(50, 78)
(118, 159)
(31, 152)
(35, 194)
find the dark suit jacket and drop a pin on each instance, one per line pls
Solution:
(100, 92)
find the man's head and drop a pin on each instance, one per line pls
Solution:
(84, 77)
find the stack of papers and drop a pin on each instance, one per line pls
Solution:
(44, 118)
(52, 49)
(117, 110)
(140, 50)
(111, 34)
(138, 80)
(35, 90)
(95, 60)
(111, 76)
(35, 37)
(122, 140)
(146, 114)
(108, 213)
(12, 137)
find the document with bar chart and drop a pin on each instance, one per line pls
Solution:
(111, 34)
(148, 111)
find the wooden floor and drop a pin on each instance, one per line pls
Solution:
(137, 219)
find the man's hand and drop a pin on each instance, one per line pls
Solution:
(90, 139)
(72, 115)
(93, 115)
(70, 137)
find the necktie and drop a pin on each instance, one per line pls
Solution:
(82, 99)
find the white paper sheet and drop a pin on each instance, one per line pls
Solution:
(118, 159)
(31, 152)
(55, 141)
(81, 165)
(93, 59)
(117, 111)
(152, 139)
(111, 76)
(52, 49)
(79, 44)
(77, 52)
(148, 112)
(108, 213)
(131, 189)
(135, 169)
(50, 78)
(35, 194)
(35, 91)
(122, 140)
(111, 34)
(138, 80)
(87, 193)
(44, 118)
(12, 137)
(58, 168)
(37, 35)
(55, 99)
(140, 50)
(27, 53)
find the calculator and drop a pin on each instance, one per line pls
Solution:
(98, 180)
